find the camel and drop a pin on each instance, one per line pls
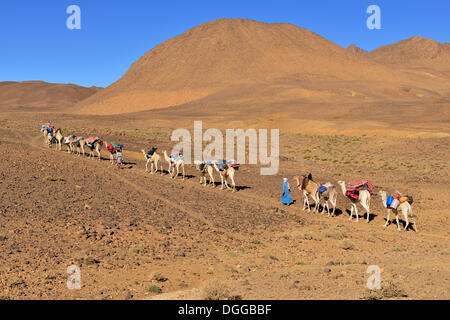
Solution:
(79, 145)
(49, 136)
(363, 199)
(45, 133)
(50, 140)
(97, 147)
(175, 163)
(68, 142)
(228, 172)
(329, 195)
(154, 159)
(405, 208)
(204, 168)
(309, 190)
(44, 130)
(59, 137)
(111, 155)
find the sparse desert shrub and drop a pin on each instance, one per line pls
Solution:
(137, 249)
(308, 236)
(346, 245)
(335, 233)
(53, 179)
(389, 289)
(155, 289)
(158, 276)
(218, 290)
(371, 238)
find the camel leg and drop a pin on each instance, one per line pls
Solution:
(317, 202)
(225, 178)
(405, 215)
(233, 184)
(398, 223)
(222, 180)
(212, 181)
(333, 203)
(366, 206)
(305, 200)
(351, 212)
(183, 171)
(387, 218)
(356, 213)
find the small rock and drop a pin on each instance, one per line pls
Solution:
(128, 296)
(274, 258)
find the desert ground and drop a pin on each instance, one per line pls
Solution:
(142, 236)
(342, 114)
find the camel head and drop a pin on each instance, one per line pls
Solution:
(343, 186)
(199, 165)
(297, 178)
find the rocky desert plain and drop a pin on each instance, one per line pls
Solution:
(343, 113)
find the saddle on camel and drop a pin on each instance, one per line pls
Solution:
(151, 152)
(77, 140)
(397, 199)
(112, 147)
(224, 165)
(48, 126)
(175, 156)
(355, 186)
(306, 181)
(91, 141)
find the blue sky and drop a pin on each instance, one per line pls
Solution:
(35, 43)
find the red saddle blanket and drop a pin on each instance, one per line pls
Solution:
(355, 185)
(91, 140)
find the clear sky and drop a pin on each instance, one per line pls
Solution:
(35, 43)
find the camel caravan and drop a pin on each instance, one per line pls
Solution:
(324, 196)
(357, 191)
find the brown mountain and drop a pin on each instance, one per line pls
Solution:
(39, 94)
(356, 49)
(232, 61)
(415, 52)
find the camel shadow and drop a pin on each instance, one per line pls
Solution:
(218, 184)
(186, 177)
(402, 225)
(364, 216)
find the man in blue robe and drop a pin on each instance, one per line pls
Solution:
(286, 195)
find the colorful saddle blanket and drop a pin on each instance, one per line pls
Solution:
(355, 186)
(176, 156)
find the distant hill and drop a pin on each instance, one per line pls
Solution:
(355, 49)
(415, 52)
(39, 94)
(239, 59)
